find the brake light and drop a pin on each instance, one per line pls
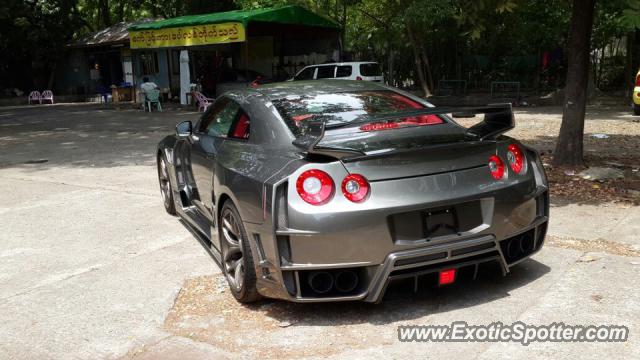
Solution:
(638, 80)
(315, 187)
(515, 156)
(379, 126)
(447, 277)
(358, 77)
(355, 187)
(419, 120)
(496, 166)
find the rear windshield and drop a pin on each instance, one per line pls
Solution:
(370, 70)
(341, 108)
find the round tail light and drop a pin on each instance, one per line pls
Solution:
(355, 187)
(515, 156)
(496, 166)
(315, 187)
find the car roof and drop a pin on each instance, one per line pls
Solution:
(280, 90)
(343, 63)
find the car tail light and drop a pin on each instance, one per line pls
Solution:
(638, 80)
(515, 156)
(496, 166)
(358, 77)
(355, 187)
(315, 187)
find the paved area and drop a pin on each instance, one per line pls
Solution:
(92, 267)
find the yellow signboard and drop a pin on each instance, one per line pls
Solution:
(188, 36)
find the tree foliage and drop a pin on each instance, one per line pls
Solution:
(418, 42)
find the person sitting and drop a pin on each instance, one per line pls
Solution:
(147, 85)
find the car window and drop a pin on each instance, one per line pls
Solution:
(371, 69)
(343, 71)
(241, 127)
(339, 108)
(211, 113)
(220, 119)
(306, 74)
(325, 72)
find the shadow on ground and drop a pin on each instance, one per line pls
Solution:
(39, 138)
(205, 311)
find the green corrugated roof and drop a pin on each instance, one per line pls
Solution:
(291, 15)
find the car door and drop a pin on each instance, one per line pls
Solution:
(206, 142)
(307, 73)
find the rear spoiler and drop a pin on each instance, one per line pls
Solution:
(498, 119)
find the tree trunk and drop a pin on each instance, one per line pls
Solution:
(629, 75)
(52, 75)
(105, 16)
(391, 73)
(570, 141)
(416, 58)
(120, 10)
(427, 70)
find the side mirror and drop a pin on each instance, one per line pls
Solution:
(183, 129)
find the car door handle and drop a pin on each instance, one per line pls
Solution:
(195, 138)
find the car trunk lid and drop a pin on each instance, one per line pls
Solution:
(409, 152)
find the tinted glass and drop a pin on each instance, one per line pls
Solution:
(241, 127)
(343, 71)
(325, 72)
(306, 74)
(211, 113)
(342, 107)
(220, 121)
(370, 70)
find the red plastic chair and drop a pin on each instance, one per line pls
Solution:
(33, 96)
(47, 95)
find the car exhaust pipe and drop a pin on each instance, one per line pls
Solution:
(320, 281)
(513, 248)
(526, 244)
(346, 281)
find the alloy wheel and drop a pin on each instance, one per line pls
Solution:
(165, 185)
(232, 242)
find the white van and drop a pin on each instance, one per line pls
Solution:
(368, 71)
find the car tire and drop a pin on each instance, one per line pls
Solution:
(636, 110)
(166, 190)
(239, 271)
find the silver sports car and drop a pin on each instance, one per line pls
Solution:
(332, 190)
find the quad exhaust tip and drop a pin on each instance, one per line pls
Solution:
(320, 281)
(342, 281)
(519, 246)
(346, 281)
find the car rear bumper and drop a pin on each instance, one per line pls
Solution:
(414, 264)
(381, 244)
